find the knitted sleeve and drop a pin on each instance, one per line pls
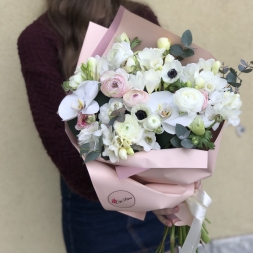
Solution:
(38, 53)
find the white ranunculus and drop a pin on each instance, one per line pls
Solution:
(171, 71)
(152, 122)
(206, 64)
(130, 64)
(129, 130)
(81, 100)
(122, 37)
(148, 141)
(150, 58)
(118, 54)
(152, 80)
(189, 100)
(138, 81)
(89, 134)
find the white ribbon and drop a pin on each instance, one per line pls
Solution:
(197, 205)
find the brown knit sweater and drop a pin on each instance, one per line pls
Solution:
(38, 47)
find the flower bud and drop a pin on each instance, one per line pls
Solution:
(123, 153)
(169, 58)
(195, 140)
(163, 43)
(216, 67)
(152, 122)
(130, 64)
(197, 126)
(218, 118)
(200, 82)
(122, 37)
(189, 84)
(91, 118)
(130, 151)
(92, 68)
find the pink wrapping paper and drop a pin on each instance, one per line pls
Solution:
(153, 180)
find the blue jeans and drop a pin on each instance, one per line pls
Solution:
(88, 228)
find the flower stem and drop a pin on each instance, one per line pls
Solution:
(172, 239)
(160, 248)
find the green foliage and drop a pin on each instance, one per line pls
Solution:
(84, 149)
(176, 142)
(187, 38)
(182, 132)
(186, 143)
(92, 156)
(119, 115)
(164, 139)
(72, 123)
(176, 50)
(181, 138)
(204, 141)
(135, 42)
(66, 87)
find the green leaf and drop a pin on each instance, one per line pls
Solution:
(84, 149)
(112, 121)
(176, 142)
(182, 132)
(176, 50)
(72, 124)
(235, 84)
(135, 42)
(187, 53)
(231, 77)
(187, 38)
(244, 63)
(101, 99)
(164, 139)
(247, 70)
(101, 144)
(241, 67)
(186, 143)
(66, 86)
(92, 156)
(233, 71)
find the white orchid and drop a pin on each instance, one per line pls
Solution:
(162, 104)
(148, 141)
(81, 100)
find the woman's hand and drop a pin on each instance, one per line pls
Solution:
(162, 213)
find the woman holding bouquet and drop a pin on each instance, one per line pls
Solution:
(49, 50)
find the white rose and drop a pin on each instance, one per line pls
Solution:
(118, 54)
(188, 100)
(129, 130)
(150, 58)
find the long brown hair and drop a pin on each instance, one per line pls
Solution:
(70, 18)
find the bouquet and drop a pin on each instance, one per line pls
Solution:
(146, 117)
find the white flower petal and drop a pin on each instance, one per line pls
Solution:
(92, 108)
(168, 128)
(66, 112)
(90, 92)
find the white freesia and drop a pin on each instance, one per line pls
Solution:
(138, 80)
(130, 64)
(92, 68)
(102, 65)
(163, 43)
(80, 100)
(129, 130)
(148, 141)
(122, 37)
(189, 100)
(151, 58)
(216, 67)
(162, 104)
(171, 71)
(118, 54)
(77, 78)
(123, 153)
(169, 58)
(206, 64)
(89, 134)
(152, 80)
(190, 73)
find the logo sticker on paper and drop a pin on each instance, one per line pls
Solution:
(122, 199)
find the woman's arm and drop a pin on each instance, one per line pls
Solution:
(38, 52)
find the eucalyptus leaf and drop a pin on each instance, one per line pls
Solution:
(112, 121)
(187, 53)
(92, 156)
(244, 63)
(182, 132)
(119, 112)
(233, 71)
(186, 143)
(231, 77)
(234, 84)
(101, 143)
(187, 38)
(176, 50)
(121, 118)
(176, 142)
(84, 149)
(247, 70)
(241, 67)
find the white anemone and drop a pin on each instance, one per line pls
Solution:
(80, 100)
(171, 71)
